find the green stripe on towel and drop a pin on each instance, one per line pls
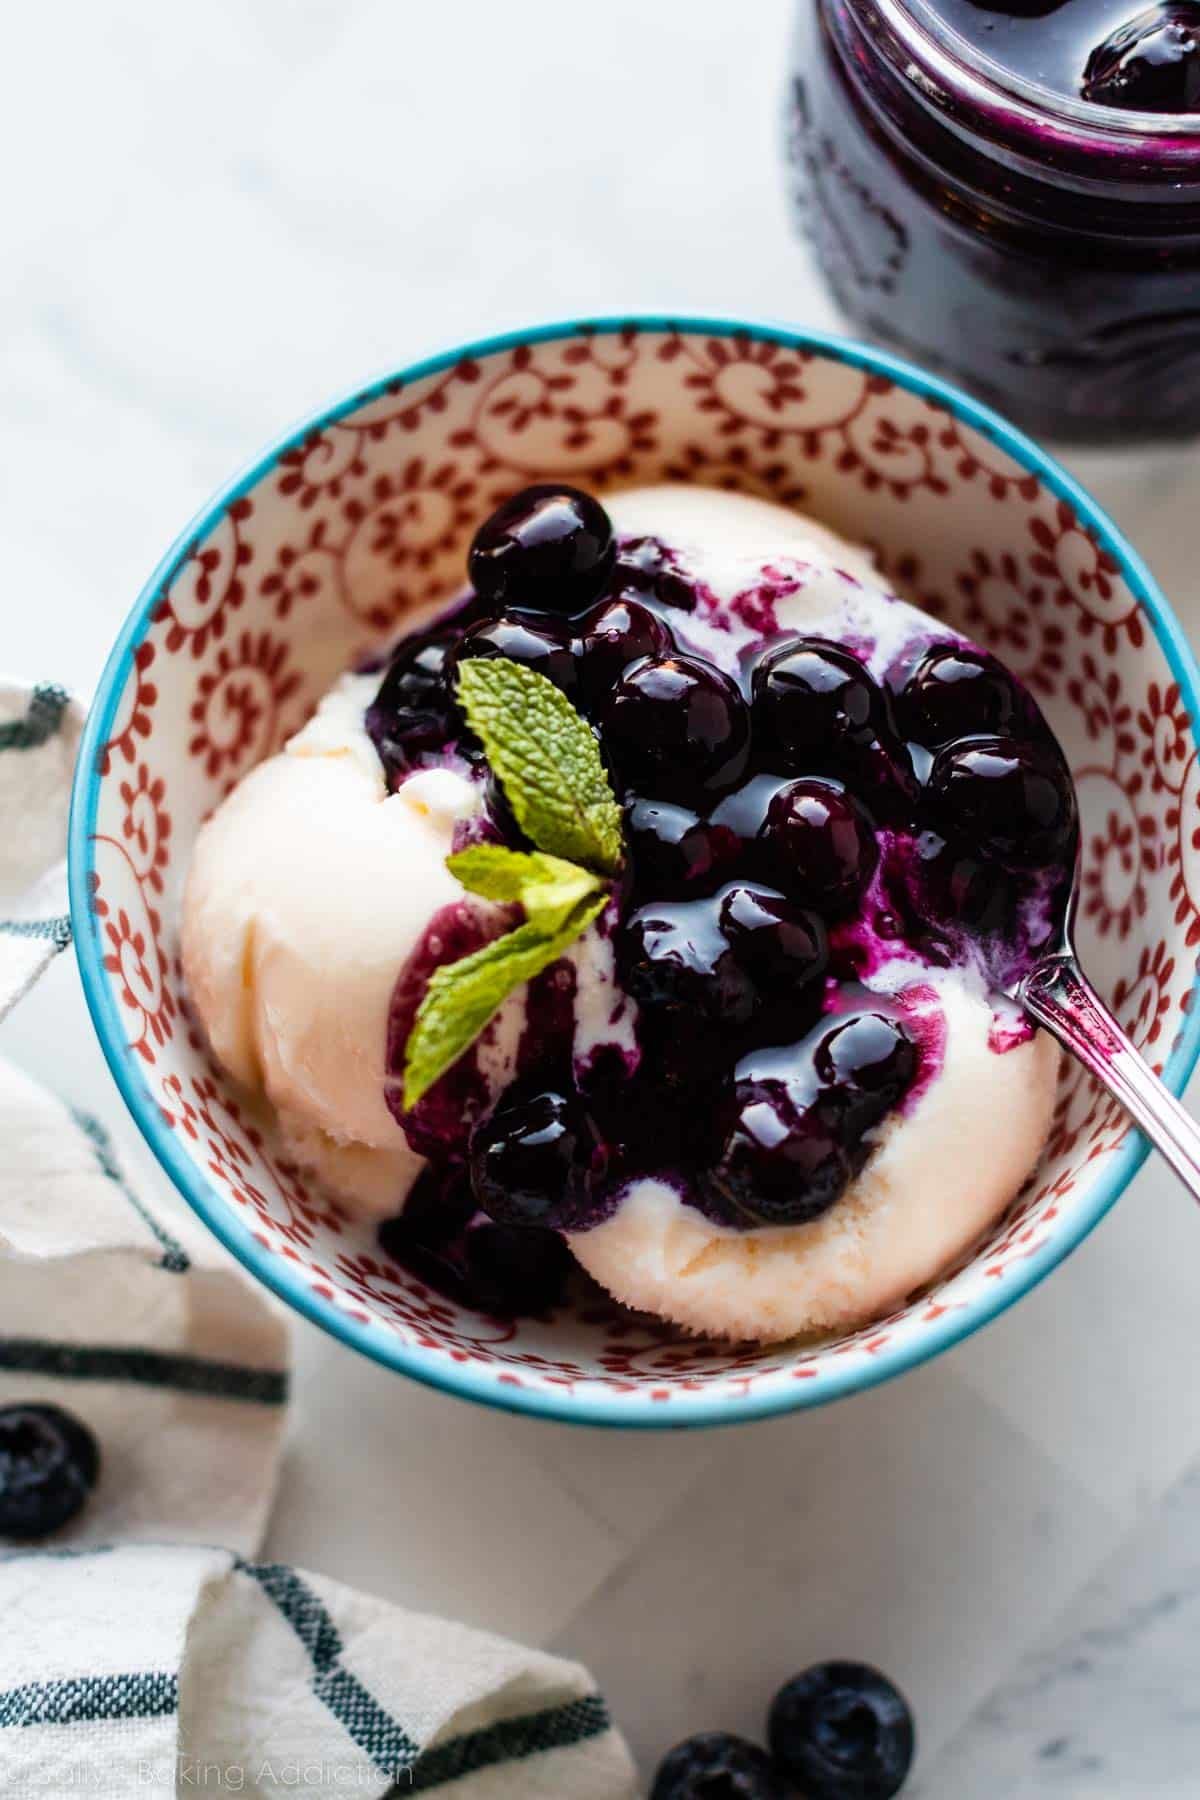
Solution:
(145, 1368)
(42, 719)
(56, 930)
(174, 1256)
(90, 1699)
(510, 1740)
(355, 1708)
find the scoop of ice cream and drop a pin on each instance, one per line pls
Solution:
(939, 1173)
(318, 904)
(308, 888)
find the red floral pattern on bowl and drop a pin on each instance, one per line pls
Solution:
(362, 520)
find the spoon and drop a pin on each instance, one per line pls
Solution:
(1057, 994)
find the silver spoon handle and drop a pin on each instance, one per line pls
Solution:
(1059, 996)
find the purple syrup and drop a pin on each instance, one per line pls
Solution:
(439, 1126)
(766, 879)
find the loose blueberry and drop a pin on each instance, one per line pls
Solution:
(413, 712)
(842, 1731)
(674, 954)
(673, 849)
(549, 548)
(814, 698)
(533, 640)
(49, 1463)
(776, 940)
(536, 1159)
(955, 690)
(676, 726)
(819, 843)
(1008, 801)
(1151, 63)
(718, 1766)
(613, 634)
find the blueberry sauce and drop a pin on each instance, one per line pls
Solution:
(1114, 52)
(803, 819)
(1009, 191)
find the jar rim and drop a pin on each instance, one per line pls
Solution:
(945, 56)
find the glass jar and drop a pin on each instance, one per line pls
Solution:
(1042, 249)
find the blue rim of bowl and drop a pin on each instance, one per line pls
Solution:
(382, 1346)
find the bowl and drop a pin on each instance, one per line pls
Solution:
(360, 518)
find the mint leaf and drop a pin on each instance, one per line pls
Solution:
(462, 996)
(548, 888)
(546, 758)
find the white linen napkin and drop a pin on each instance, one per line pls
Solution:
(136, 1658)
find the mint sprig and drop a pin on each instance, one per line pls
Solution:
(548, 888)
(546, 759)
(463, 996)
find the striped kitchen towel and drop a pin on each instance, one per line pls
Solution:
(155, 1672)
(135, 1658)
(123, 1310)
(39, 735)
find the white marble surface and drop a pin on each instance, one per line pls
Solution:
(214, 218)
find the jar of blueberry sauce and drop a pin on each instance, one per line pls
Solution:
(1009, 190)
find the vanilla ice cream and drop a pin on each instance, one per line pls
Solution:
(317, 887)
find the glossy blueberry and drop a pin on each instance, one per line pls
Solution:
(782, 1161)
(965, 892)
(842, 1731)
(536, 1158)
(549, 548)
(613, 634)
(413, 709)
(718, 1766)
(799, 1115)
(1007, 801)
(674, 954)
(676, 726)
(513, 1271)
(49, 1463)
(867, 1053)
(955, 690)
(812, 698)
(819, 844)
(645, 567)
(532, 639)
(776, 940)
(1151, 63)
(672, 849)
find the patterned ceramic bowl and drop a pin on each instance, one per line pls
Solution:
(363, 515)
